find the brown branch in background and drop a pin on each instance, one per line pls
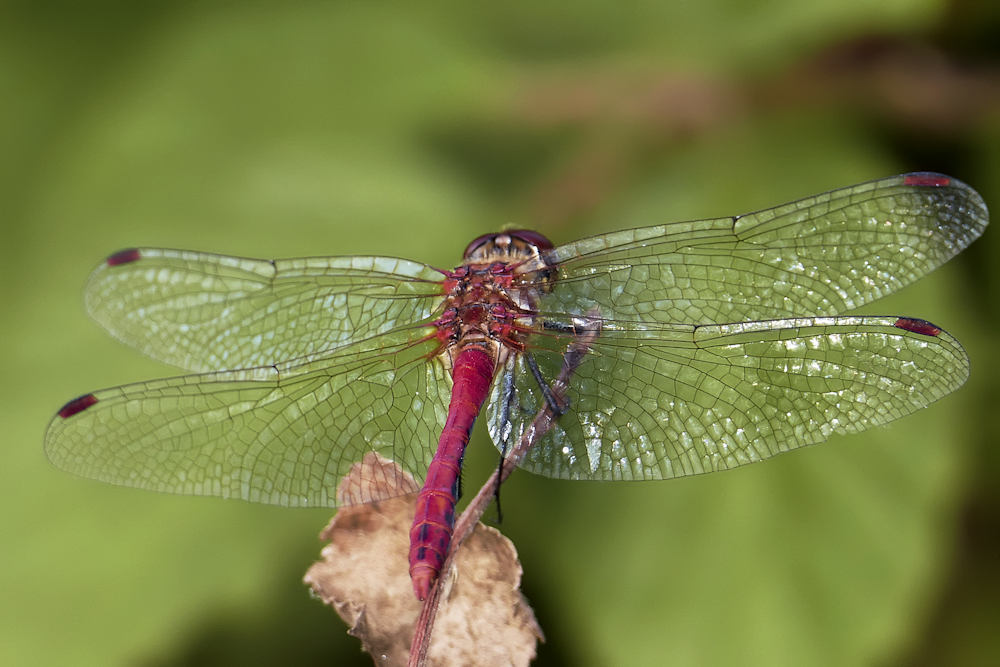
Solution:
(621, 119)
(624, 119)
(907, 83)
(542, 423)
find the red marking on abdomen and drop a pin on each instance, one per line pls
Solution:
(927, 178)
(77, 405)
(124, 257)
(917, 326)
(434, 521)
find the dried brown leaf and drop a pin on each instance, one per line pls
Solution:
(483, 620)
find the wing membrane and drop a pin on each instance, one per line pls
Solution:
(205, 312)
(653, 402)
(281, 435)
(819, 256)
(337, 359)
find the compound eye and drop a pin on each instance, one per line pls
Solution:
(478, 243)
(532, 237)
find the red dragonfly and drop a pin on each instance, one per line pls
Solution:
(721, 342)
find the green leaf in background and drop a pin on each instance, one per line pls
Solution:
(359, 128)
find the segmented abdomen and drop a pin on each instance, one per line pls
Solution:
(432, 528)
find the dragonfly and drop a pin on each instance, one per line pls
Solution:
(719, 343)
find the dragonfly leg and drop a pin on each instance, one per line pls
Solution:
(496, 493)
(558, 406)
(585, 330)
(507, 401)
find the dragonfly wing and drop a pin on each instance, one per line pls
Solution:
(659, 402)
(818, 256)
(205, 312)
(281, 435)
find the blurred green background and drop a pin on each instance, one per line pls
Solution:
(309, 128)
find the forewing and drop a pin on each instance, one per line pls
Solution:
(205, 312)
(281, 435)
(659, 402)
(819, 256)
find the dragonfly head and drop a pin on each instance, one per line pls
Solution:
(509, 247)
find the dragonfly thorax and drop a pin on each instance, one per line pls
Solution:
(491, 299)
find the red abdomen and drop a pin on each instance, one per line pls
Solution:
(430, 535)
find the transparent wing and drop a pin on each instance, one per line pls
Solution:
(281, 435)
(819, 256)
(652, 402)
(206, 312)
